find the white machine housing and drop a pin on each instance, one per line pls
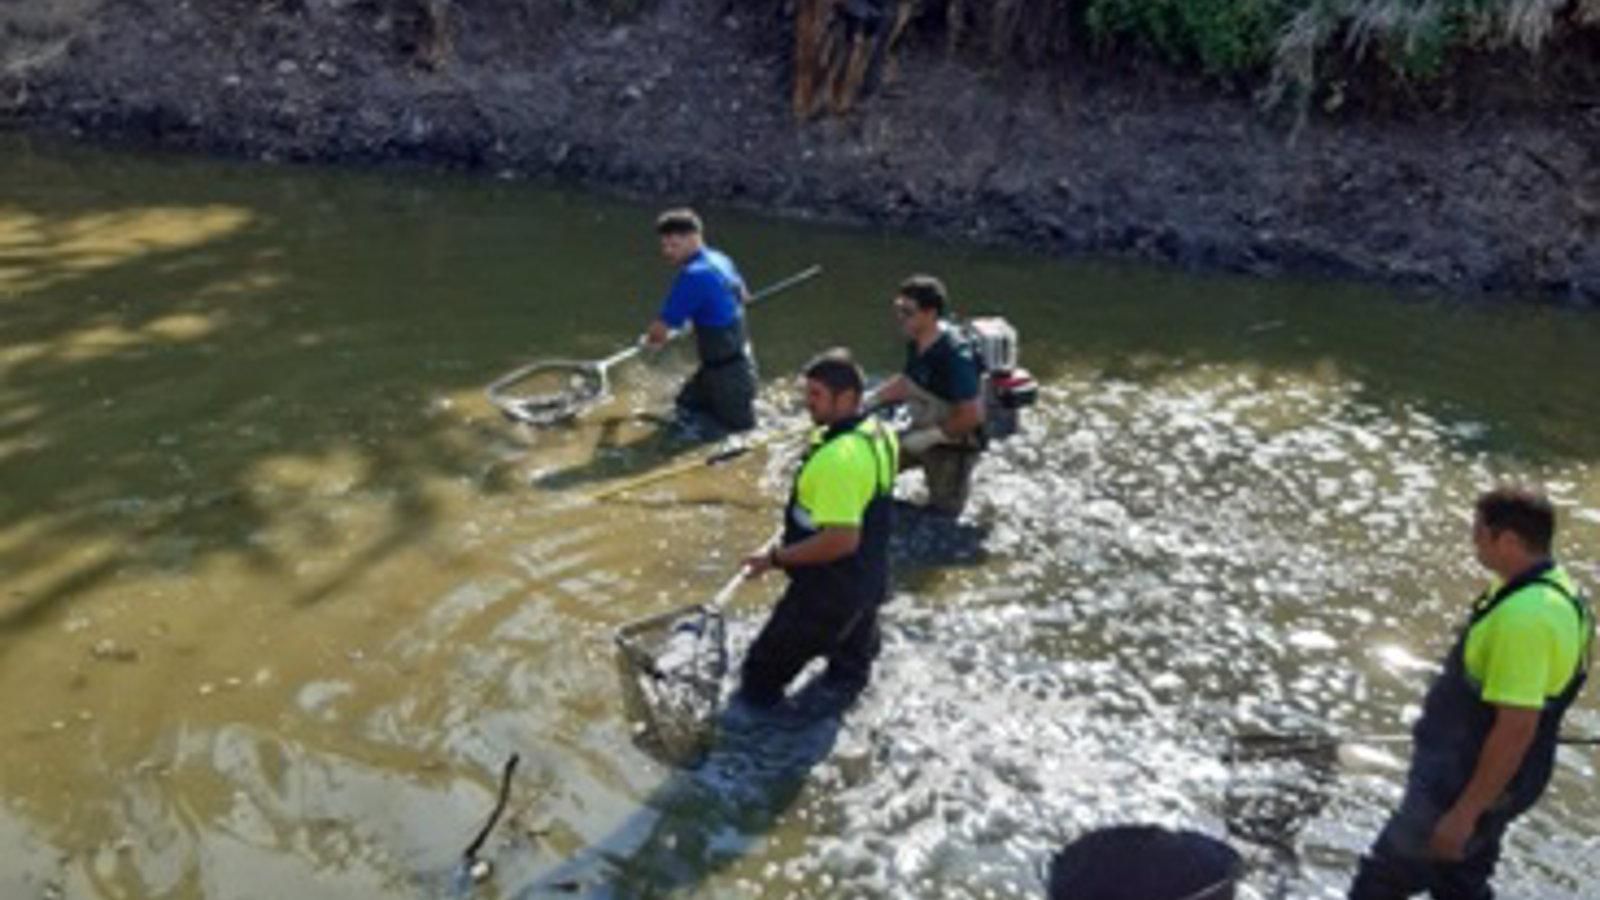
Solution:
(996, 341)
(1008, 388)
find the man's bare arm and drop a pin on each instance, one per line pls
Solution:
(964, 418)
(895, 390)
(832, 542)
(1502, 754)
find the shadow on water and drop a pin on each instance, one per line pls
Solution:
(173, 332)
(704, 819)
(666, 444)
(670, 446)
(616, 454)
(97, 418)
(924, 543)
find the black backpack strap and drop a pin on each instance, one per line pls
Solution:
(1580, 605)
(875, 447)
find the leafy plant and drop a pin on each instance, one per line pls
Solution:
(1221, 36)
(1285, 41)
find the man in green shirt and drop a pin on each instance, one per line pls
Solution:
(835, 545)
(942, 386)
(1484, 748)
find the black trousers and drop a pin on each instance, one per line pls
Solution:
(1399, 865)
(725, 393)
(811, 621)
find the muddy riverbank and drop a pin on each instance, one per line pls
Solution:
(689, 101)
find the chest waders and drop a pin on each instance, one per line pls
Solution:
(864, 575)
(947, 466)
(721, 345)
(1456, 721)
(928, 409)
(724, 386)
(828, 611)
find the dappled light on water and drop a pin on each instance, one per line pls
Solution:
(39, 251)
(283, 593)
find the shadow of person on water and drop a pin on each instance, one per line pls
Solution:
(671, 441)
(617, 457)
(704, 819)
(924, 542)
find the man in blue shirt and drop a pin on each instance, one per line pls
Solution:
(710, 294)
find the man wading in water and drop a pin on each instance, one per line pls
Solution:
(835, 545)
(710, 293)
(1485, 745)
(942, 387)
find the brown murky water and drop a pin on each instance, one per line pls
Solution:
(279, 592)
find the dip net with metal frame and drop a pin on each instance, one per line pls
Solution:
(672, 667)
(553, 391)
(548, 392)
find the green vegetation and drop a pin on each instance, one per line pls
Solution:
(1287, 43)
(1414, 38)
(1222, 36)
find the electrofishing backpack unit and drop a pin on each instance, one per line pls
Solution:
(1008, 388)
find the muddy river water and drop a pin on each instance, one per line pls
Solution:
(280, 592)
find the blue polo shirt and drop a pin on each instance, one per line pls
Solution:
(705, 292)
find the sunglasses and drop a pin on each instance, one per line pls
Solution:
(906, 310)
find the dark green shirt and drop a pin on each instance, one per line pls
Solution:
(948, 369)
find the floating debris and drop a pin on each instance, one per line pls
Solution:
(108, 650)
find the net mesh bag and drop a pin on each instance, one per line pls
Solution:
(549, 392)
(672, 667)
(1275, 786)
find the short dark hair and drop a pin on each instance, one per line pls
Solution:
(926, 291)
(837, 371)
(1524, 512)
(682, 220)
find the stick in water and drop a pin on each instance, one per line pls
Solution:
(481, 869)
(1291, 742)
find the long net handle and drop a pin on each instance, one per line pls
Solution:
(732, 587)
(620, 356)
(776, 287)
(1291, 744)
(713, 459)
(632, 350)
(803, 275)
(714, 608)
(728, 590)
